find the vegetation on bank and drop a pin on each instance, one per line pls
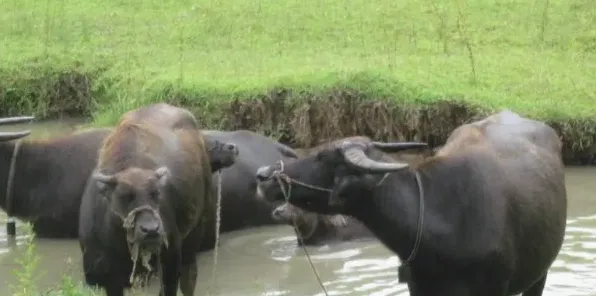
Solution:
(308, 70)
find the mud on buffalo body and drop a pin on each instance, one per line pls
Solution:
(453, 219)
(147, 197)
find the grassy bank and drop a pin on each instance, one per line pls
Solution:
(307, 70)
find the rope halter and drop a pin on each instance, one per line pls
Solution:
(280, 176)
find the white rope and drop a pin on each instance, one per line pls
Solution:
(217, 226)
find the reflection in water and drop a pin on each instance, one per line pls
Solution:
(266, 260)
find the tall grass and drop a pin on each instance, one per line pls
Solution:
(537, 57)
(28, 270)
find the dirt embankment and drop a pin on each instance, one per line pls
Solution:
(343, 112)
(299, 120)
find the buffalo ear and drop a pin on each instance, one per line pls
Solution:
(162, 174)
(105, 182)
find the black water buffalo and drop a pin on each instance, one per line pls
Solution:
(485, 216)
(240, 208)
(317, 229)
(146, 202)
(10, 163)
(50, 176)
(61, 166)
(48, 180)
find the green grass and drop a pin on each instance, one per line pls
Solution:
(137, 51)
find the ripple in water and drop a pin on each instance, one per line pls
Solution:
(267, 261)
(358, 268)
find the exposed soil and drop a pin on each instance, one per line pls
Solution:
(316, 118)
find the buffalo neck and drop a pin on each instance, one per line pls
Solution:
(391, 211)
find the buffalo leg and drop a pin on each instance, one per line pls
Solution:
(189, 270)
(170, 274)
(188, 278)
(114, 290)
(449, 287)
(537, 288)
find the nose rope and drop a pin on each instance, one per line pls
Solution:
(280, 176)
(128, 223)
(217, 227)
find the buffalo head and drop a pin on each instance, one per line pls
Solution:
(134, 195)
(222, 155)
(317, 182)
(9, 136)
(305, 222)
(286, 213)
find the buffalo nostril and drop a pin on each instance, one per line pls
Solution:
(262, 173)
(233, 148)
(150, 230)
(276, 213)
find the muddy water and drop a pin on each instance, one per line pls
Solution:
(266, 260)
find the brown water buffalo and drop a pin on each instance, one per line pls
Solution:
(485, 216)
(60, 168)
(146, 203)
(317, 229)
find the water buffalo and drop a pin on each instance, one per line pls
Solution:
(146, 202)
(6, 202)
(48, 180)
(485, 216)
(240, 208)
(317, 229)
(60, 168)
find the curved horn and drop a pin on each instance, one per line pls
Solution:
(104, 182)
(398, 146)
(17, 119)
(355, 155)
(9, 136)
(101, 177)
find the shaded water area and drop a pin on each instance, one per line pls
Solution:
(267, 261)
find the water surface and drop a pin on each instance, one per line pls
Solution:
(267, 261)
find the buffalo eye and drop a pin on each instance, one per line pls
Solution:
(154, 195)
(326, 156)
(128, 198)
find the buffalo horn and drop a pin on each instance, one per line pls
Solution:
(398, 146)
(9, 136)
(103, 178)
(356, 156)
(16, 119)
